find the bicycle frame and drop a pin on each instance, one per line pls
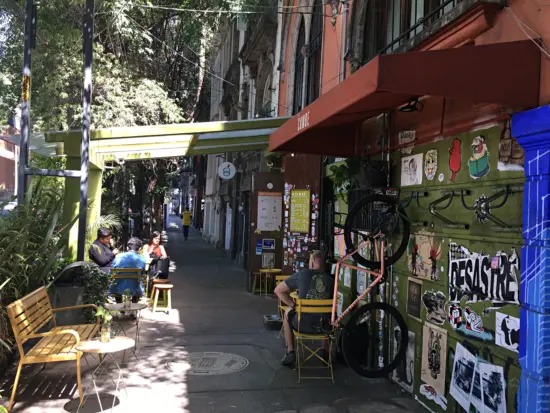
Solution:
(378, 274)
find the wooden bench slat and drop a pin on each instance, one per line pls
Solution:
(21, 305)
(39, 306)
(63, 343)
(26, 328)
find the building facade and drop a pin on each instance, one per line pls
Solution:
(432, 83)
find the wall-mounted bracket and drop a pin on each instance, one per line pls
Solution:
(446, 199)
(483, 205)
(414, 195)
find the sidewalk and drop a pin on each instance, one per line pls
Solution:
(212, 313)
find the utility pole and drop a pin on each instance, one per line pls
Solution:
(88, 40)
(30, 32)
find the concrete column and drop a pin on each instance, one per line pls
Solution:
(72, 199)
(532, 130)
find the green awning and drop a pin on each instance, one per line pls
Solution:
(143, 142)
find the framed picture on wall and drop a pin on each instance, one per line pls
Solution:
(414, 297)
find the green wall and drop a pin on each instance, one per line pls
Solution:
(493, 275)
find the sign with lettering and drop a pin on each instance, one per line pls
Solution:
(303, 121)
(227, 170)
(300, 210)
(270, 211)
(481, 277)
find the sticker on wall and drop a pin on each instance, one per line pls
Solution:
(405, 137)
(404, 372)
(430, 164)
(434, 357)
(510, 153)
(259, 247)
(429, 393)
(339, 303)
(361, 281)
(463, 376)
(507, 332)
(434, 301)
(441, 177)
(478, 164)
(423, 254)
(411, 170)
(473, 276)
(414, 296)
(347, 277)
(455, 159)
(481, 210)
(467, 322)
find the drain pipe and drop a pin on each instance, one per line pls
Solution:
(344, 34)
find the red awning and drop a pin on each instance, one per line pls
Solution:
(500, 73)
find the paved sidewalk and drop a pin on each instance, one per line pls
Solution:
(212, 313)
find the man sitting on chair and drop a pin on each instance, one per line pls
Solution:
(312, 284)
(130, 259)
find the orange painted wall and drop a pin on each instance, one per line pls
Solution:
(331, 54)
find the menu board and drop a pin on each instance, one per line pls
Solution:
(300, 210)
(270, 214)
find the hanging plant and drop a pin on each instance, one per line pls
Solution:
(345, 175)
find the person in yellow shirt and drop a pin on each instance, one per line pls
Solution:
(186, 222)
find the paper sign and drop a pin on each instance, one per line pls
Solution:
(300, 211)
(270, 211)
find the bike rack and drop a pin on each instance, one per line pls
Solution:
(414, 194)
(483, 205)
(435, 206)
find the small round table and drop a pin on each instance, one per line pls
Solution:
(134, 308)
(107, 350)
(268, 272)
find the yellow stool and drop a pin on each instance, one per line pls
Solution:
(167, 291)
(155, 283)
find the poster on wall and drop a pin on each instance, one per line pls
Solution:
(300, 210)
(434, 357)
(493, 388)
(411, 170)
(507, 332)
(481, 277)
(423, 255)
(270, 212)
(463, 376)
(404, 372)
(339, 243)
(414, 294)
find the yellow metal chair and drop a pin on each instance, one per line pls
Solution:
(126, 274)
(281, 308)
(312, 307)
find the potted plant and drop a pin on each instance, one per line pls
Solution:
(127, 298)
(106, 318)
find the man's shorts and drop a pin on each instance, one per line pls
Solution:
(309, 323)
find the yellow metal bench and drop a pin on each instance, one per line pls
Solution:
(34, 312)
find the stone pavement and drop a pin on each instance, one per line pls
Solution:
(212, 313)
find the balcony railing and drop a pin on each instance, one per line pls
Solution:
(392, 25)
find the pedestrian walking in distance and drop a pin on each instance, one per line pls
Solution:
(186, 221)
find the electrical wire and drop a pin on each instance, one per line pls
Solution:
(233, 12)
(524, 27)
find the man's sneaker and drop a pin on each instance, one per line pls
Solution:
(289, 359)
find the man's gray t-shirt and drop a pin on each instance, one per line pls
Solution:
(311, 284)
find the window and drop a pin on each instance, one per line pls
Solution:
(299, 70)
(314, 59)
(266, 98)
(390, 23)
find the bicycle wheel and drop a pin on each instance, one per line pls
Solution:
(370, 217)
(365, 340)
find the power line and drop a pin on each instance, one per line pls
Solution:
(234, 12)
